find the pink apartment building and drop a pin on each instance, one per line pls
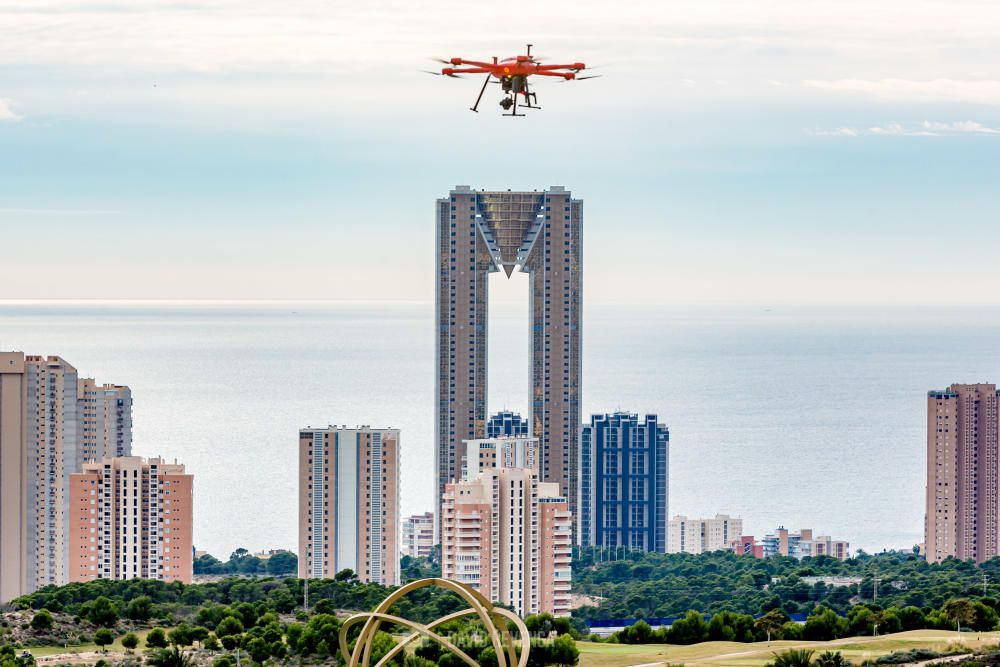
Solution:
(505, 532)
(131, 518)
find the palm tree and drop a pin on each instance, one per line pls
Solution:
(959, 610)
(770, 622)
(170, 658)
(832, 659)
(793, 658)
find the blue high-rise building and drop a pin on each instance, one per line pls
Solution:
(507, 423)
(623, 482)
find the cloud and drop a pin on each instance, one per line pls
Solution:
(924, 129)
(973, 91)
(6, 113)
(838, 132)
(962, 126)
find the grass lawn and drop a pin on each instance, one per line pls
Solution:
(856, 649)
(44, 651)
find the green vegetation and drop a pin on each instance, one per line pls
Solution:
(103, 637)
(241, 561)
(649, 585)
(263, 619)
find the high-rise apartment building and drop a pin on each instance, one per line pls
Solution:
(53, 455)
(507, 423)
(105, 420)
(131, 518)
(963, 473)
(479, 233)
(418, 536)
(696, 536)
(509, 535)
(46, 417)
(349, 503)
(14, 472)
(623, 482)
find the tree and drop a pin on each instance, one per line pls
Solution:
(156, 638)
(792, 658)
(823, 625)
(140, 608)
(258, 650)
(182, 635)
(42, 620)
(170, 658)
(691, 629)
(130, 641)
(103, 637)
(563, 651)
(103, 612)
(228, 626)
(283, 562)
(770, 622)
(211, 643)
(832, 659)
(959, 610)
(198, 634)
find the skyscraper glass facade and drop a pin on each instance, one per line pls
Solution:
(624, 471)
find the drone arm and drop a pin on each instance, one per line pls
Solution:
(543, 68)
(562, 75)
(448, 71)
(474, 63)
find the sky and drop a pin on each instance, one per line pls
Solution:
(778, 151)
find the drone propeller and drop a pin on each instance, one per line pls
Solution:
(580, 78)
(454, 76)
(439, 59)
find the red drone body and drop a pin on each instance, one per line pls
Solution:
(512, 75)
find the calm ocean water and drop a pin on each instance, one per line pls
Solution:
(804, 417)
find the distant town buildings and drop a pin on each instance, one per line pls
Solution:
(130, 518)
(349, 503)
(795, 545)
(539, 233)
(418, 536)
(696, 536)
(51, 422)
(962, 516)
(508, 534)
(624, 470)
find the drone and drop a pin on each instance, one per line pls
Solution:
(512, 76)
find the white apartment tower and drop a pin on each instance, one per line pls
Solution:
(105, 422)
(349, 503)
(696, 536)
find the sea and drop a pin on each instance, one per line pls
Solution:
(804, 416)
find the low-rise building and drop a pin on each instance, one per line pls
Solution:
(795, 545)
(695, 536)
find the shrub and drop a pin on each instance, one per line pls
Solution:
(41, 621)
(156, 638)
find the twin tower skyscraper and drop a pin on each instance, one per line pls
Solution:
(539, 233)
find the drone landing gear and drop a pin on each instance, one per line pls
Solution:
(475, 107)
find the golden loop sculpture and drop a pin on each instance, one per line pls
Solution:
(494, 620)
